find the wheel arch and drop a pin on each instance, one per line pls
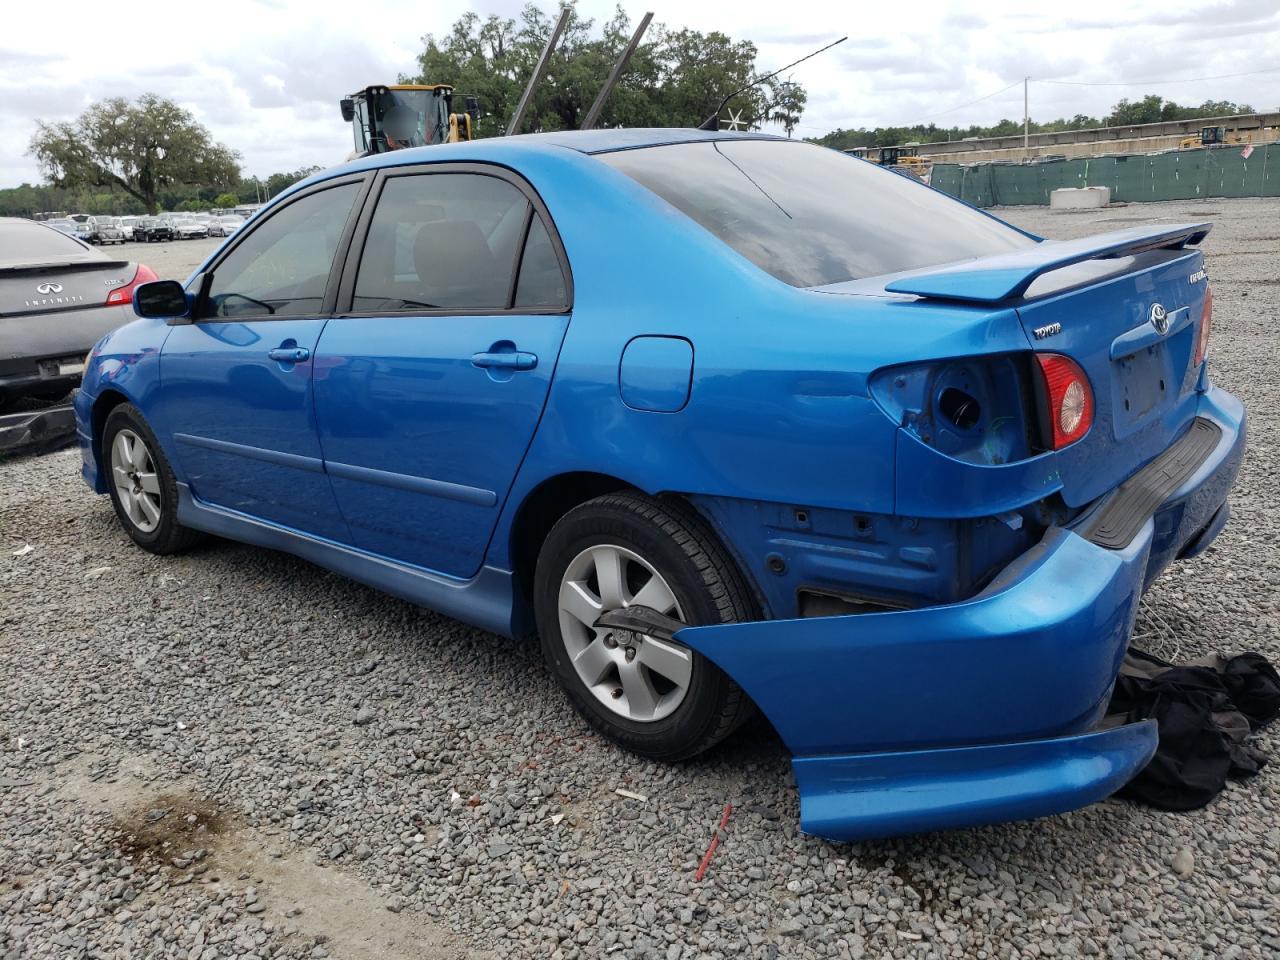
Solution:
(103, 404)
(555, 496)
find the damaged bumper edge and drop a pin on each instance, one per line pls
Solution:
(36, 429)
(885, 794)
(981, 711)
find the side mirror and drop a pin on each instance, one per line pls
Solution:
(162, 300)
(348, 107)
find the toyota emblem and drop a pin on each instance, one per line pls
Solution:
(48, 288)
(1160, 318)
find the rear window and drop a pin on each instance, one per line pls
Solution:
(810, 215)
(34, 242)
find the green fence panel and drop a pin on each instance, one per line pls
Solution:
(1270, 168)
(1136, 178)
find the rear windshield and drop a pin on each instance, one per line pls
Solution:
(810, 215)
(34, 242)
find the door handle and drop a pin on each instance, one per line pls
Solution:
(289, 354)
(505, 361)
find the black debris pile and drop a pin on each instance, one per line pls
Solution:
(1207, 712)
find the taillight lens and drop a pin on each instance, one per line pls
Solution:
(1069, 396)
(122, 295)
(1206, 325)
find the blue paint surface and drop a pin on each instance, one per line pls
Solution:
(803, 423)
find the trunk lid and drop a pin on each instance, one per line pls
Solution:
(1134, 335)
(59, 286)
(1125, 306)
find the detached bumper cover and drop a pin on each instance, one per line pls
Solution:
(981, 711)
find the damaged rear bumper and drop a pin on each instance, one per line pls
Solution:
(986, 710)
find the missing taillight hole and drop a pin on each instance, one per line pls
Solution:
(959, 408)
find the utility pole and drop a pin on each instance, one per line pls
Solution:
(1026, 121)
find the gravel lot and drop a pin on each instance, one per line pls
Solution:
(235, 754)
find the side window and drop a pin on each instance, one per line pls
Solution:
(441, 240)
(541, 282)
(282, 267)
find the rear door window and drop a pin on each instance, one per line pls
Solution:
(441, 241)
(811, 216)
(541, 282)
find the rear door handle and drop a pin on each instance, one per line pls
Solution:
(506, 361)
(289, 354)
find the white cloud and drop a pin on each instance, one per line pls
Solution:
(265, 76)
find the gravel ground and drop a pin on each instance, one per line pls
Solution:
(235, 754)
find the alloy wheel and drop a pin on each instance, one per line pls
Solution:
(137, 484)
(636, 676)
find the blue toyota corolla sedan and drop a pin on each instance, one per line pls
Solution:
(731, 422)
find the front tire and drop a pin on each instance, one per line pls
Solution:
(144, 490)
(656, 698)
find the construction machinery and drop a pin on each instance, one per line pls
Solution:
(387, 118)
(1212, 136)
(905, 160)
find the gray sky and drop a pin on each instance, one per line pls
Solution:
(265, 75)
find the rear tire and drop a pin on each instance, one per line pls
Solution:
(144, 490)
(659, 700)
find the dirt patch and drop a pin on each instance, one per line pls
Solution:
(202, 843)
(171, 827)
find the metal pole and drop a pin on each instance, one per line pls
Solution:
(538, 72)
(615, 74)
(1026, 121)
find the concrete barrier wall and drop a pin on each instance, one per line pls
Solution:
(1177, 175)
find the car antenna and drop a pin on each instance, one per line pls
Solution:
(713, 122)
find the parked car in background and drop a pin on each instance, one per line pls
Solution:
(83, 230)
(188, 228)
(866, 458)
(105, 231)
(58, 296)
(63, 225)
(150, 229)
(225, 226)
(126, 226)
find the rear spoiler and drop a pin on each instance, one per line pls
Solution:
(992, 279)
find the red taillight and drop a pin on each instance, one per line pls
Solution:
(1206, 325)
(121, 295)
(1069, 396)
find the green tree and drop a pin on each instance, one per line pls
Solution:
(282, 181)
(140, 148)
(225, 200)
(675, 78)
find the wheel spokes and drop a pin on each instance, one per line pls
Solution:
(138, 455)
(642, 698)
(668, 660)
(593, 662)
(124, 453)
(150, 483)
(148, 507)
(656, 595)
(610, 577)
(577, 601)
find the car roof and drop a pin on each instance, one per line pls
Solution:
(582, 141)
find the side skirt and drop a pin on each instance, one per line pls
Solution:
(486, 601)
